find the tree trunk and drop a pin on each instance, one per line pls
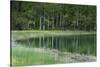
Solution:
(44, 23)
(52, 42)
(40, 23)
(48, 22)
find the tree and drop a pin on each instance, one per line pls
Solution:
(52, 16)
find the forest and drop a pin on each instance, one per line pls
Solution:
(52, 16)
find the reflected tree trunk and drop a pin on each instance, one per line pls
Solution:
(52, 42)
(77, 43)
(40, 42)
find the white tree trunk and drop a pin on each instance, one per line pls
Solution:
(40, 23)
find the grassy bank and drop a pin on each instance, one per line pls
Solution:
(27, 56)
(22, 56)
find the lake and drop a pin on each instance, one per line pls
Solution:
(82, 44)
(54, 49)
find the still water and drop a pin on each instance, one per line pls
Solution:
(82, 44)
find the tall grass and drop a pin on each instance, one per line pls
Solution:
(27, 56)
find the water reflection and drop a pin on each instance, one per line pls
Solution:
(83, 44)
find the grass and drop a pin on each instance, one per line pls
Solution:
(27, 56)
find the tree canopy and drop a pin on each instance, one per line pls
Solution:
(52, 16)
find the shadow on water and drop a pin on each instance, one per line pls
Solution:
(82, 44)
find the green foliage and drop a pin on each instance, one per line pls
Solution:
(52, 16)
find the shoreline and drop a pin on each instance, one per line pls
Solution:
(64, 57)
(29, 34)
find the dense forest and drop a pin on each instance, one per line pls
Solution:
(52, 16)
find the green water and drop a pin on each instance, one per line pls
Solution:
(82, 44)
